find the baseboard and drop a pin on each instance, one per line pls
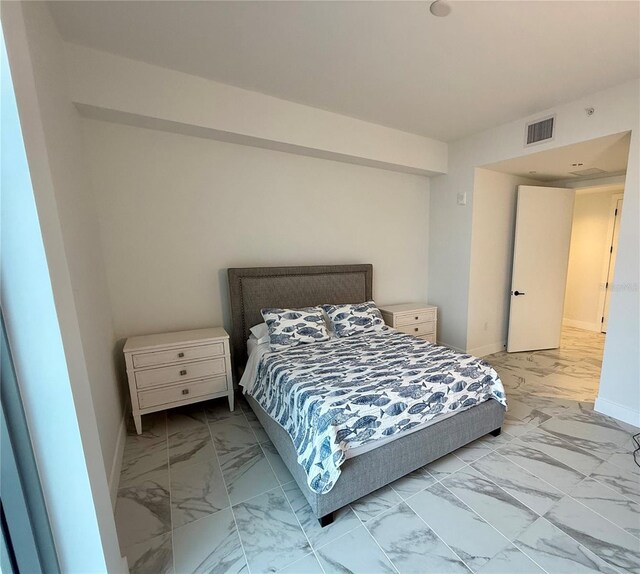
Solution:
(116, 464)
(581, 325)
(617, 411)
(489, 349)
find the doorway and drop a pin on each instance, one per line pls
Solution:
(595, 171)
(592, 256)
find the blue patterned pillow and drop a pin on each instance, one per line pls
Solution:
(354, 318)
(290, 327)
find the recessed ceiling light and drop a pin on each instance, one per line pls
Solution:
(440, 8)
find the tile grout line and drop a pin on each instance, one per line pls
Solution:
(215, 511)
(568, 442)
(571, 447)
(605, 484)
(439, 538)
(313, 551)
(564, 493)
(285, 497)
(595, 511)
(173, 553)
(422, 519)
(189, 464)
(374, 540)
(358, 525)
(511, 541)
(477, 513)
(224, 482)
(492, 526)
(508, 493)
(580, 545)
(300, 560)
(617, 465)
(402, 499)
(585, 477)
(532, 510)
(131, 485)
(225, 508)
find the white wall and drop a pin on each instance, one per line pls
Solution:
(79, 226)
(493, 227)
(62, 353)
(619, 393)
(111, 87)
(616, 111)
(588, 258)
(176, 211)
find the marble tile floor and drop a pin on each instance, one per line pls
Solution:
(203, 490)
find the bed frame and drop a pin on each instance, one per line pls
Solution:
(255, 288)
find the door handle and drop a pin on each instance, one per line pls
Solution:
(516, 293)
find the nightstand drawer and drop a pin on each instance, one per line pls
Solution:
(431, 337)
(415, 317)
(189, 390)
(181, 372)
(418, 329)
(177, 355)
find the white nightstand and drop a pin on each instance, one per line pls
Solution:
(418, 319)
(172, 369)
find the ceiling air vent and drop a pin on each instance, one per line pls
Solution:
(540, 131)
(588, 172)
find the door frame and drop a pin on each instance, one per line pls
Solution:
(607, 255)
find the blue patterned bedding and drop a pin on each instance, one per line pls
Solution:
(340, 394)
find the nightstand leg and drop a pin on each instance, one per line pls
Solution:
(137, 419)
(231, 400)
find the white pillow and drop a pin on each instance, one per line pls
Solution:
(260, 331)
(265, 339)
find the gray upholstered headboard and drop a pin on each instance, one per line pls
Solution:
(254, 288)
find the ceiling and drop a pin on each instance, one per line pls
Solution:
(609, 153)
(388, 62)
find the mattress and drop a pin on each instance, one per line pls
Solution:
(347, 396)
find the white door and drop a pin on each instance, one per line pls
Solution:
(540, 260)
(612, 264)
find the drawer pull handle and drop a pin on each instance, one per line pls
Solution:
(416, 329)
(417, 318)
(183, 372)
(185, 391)
(181, 355)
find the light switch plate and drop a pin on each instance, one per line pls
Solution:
(462, 198)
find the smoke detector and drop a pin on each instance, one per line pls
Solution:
(440, 8)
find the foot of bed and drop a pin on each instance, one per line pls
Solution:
(326, 520)
(496, 432)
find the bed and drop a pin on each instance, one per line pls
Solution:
(252, 289)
